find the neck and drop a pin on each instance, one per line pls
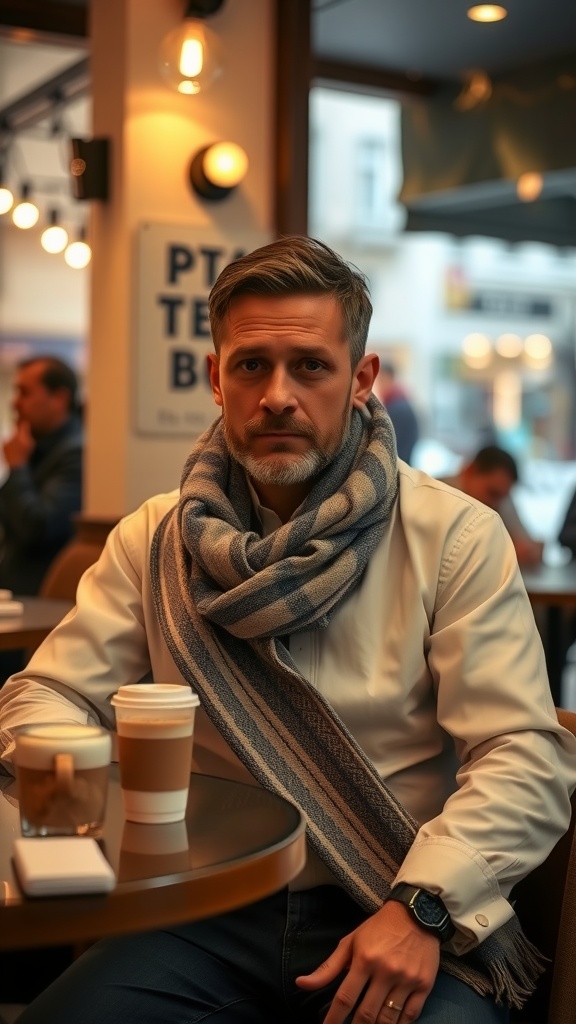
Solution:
(281, 500)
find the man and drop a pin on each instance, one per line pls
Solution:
(361, 639)
(43, 488)
(400, 411)
(489, 477)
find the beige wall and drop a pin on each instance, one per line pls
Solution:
(154, 133)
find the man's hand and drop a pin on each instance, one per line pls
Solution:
(388, 959)
(18, 448)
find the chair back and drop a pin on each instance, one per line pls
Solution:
(68, 566)
(545, 902)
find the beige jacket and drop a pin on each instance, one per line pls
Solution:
(433, 663)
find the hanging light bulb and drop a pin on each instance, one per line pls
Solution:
(25, 215)
(78, 254)
(190, 56)
(6, 197)
(54, 238)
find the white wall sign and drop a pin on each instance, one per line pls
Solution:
(177, 268)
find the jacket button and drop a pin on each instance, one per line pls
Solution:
(481, 919)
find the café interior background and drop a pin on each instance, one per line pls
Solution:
(482, 329)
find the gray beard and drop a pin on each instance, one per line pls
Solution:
(279, 472)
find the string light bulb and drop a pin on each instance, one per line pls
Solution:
(54, 238)
(78, 254)
(25, 215)
(6, 197)
(190, 55)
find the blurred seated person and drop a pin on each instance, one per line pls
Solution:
(399, 409)
(43, 488)
(489, 478)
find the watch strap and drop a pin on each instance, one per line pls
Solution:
(408, 894)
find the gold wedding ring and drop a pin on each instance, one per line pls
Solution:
(392, 1005)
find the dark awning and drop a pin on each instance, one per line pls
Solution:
(464, 155)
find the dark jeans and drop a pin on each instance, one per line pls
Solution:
(238, 968)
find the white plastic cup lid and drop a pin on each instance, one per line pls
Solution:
(150, 695)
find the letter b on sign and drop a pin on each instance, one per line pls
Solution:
(183, 372)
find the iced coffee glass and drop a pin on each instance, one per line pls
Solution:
(62, 778)
(155, 726)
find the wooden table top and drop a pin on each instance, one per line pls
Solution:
(551, 584)
(238, 844)
(38, 618)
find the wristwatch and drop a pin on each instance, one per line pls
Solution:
(427, 909)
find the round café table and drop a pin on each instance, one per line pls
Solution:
(238, 844)
(39, 616)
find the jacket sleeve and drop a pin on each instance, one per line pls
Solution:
(517, 766)
(39, 514)
(97, 646)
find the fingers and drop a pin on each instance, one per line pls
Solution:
(330, 969)
(374, 1003)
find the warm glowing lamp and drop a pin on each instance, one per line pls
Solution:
(54, 238)
(6, 198)
(25, 215)
(216, 170)
(78, 254)
(529, 186)
(487, 12)
(190, 56)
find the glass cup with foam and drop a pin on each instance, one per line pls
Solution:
(155, 726)
(62, 775)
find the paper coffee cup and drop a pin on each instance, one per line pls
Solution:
(155, 725)
(62, 778)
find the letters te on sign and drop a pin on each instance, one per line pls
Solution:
(177, 267)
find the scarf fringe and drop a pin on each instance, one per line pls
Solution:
(510, 978)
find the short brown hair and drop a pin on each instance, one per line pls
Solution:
(296, 265)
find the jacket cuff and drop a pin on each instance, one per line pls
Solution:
(466, 884)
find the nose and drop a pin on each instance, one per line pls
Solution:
(278, 394)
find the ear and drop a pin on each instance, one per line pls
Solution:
(214, 375)
(363, 380)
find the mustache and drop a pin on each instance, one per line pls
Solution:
(277, 424)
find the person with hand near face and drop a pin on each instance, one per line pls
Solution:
(43, 488)
(362, 643)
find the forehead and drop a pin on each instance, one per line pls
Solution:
(498, 478)
(30, 376)
(314, 319)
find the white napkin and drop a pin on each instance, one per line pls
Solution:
(11, 607)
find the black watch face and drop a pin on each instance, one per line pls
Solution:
(429, 910)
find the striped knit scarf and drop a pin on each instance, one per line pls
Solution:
(225, 595)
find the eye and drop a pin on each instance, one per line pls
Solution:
(251, 365)
(312, 365)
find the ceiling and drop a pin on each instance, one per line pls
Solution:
(411, 45)
(432, 38)
(435, 38)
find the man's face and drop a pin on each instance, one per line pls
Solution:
(491, 488)
(285, 384)
(42, 409)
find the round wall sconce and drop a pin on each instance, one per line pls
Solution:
(190, 56)
(216, 170)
